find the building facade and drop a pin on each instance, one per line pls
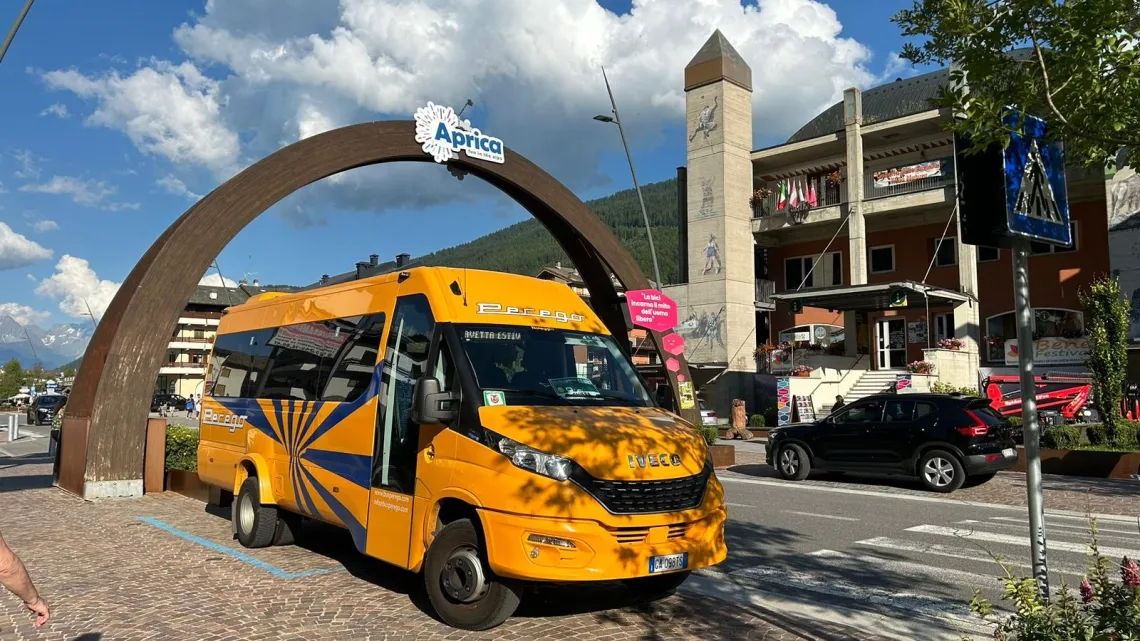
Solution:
(837, 250)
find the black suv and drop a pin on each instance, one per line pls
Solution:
(44, 407)
(939, 438)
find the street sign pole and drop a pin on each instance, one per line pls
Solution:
(1031, 429)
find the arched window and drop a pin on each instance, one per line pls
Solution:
(1048, 322)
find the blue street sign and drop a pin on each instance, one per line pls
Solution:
(1036, 197)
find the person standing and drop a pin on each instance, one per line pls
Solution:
(190, 407)
(197, 406)
(838, 404)
(14, 577)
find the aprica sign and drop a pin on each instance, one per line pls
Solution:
(443, 135)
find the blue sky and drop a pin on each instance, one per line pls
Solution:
(116, 119)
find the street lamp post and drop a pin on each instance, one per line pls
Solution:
(94, 325)
(615, 118)
(15, 27)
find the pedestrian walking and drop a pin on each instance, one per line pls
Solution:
(838, 404)
(190, 407)
(197, 405)
(14, 577)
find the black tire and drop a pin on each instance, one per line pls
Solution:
(256, 524)
(792, 463)
(454, 568)
(651, 587)
(940, 471)
(288, 528)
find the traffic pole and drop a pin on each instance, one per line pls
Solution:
(1031, 429)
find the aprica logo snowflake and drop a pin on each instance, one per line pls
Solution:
(443, 135)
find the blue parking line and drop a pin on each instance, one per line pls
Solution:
(240, 556)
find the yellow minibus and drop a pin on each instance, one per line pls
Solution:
(483, 429)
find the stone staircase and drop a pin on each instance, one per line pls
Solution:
(869, 383)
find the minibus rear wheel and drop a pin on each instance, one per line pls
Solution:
(461, 587)
(256, 524)
(648, 587)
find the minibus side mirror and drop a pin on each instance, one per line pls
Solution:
(430, 405)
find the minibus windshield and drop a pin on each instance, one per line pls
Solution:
(517, 365)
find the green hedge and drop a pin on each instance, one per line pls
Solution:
(181, 448)
(710, 433)
(756, 420)
(1061, 437)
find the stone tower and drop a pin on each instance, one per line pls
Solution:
(720, 298)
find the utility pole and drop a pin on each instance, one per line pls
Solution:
(94, 323)
(644, 214)
(15, 27)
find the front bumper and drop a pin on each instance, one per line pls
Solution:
(599, 553)
(987, 463)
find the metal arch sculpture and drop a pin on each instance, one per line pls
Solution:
(102, 444)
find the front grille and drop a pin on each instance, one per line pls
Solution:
(636, 535)
(646, 497)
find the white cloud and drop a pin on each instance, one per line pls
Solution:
(44, 226)
(17, 250)
(76, 286)
(2, 190)
(23, 314)
(58, 109)
(29, 165)
(175, 186)
(896, 67)
(215, 280)
(89, 193)
(293, 69)
(167, 110)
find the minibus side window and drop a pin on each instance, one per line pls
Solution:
(405, 360)
(355, 363)
(239, 363)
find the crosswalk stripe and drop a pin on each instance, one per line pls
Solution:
(1022, 541)
(1135, 531)
(1055, 529)
(965, 554)
(822, 516)
(912, 569)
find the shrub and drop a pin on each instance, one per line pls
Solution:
(710, 433)
(1106, 319)
(181, 448)
(771, 416)
(1061, 437)
(756, 420)
(1128, 434)
(1107, 605)
(920, 367)
(946, 388)
(1097, 434)
(1015, 421)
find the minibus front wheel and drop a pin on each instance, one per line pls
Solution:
(464, 591)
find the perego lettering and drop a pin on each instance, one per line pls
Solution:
(229, 421)
(560, 316)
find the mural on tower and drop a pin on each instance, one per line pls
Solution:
(712, 256)
(704, 334)
(706, 120)
(708, 198)
(1122, 192)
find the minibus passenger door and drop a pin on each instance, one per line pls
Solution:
(397, 448)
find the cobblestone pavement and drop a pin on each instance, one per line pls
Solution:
(110, 575)
(1074, 494)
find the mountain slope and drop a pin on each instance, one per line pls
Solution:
(527, 247)
(52, 347)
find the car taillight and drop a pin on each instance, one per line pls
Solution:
(712, 414)
(979, 428)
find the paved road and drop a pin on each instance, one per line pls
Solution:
(903, 564)
(32, 439)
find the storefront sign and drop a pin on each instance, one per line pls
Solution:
(651, 309)
(688, 398)
(916, 331)
(1051, 351)
(908, 174)
(443, 135)
(315, 339)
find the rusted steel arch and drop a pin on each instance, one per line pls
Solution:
(104, 429)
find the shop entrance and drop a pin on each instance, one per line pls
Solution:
(891, 343)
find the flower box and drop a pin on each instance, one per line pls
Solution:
(1087, 463)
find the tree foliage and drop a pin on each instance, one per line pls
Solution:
(1106, 320)
(1073, 62)
(527, 247)
(11, 377)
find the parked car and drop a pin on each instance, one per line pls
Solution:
(175, 402)
(708, 417)
(43, 408)
(939, 438)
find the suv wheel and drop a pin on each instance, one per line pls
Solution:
(792, 462)
(940, 471)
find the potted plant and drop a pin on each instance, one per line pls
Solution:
(920, 367)
(834, 178)
(954, 344)
(802, 371)
(764, 350)
(759, 201)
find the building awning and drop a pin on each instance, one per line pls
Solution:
(870, 298)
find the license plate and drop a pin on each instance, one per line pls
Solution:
(1009, 452)
(668, 563)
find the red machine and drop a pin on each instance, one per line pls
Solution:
(1066, 394)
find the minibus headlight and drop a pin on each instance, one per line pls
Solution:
(528, 458)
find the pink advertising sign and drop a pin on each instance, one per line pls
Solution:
(651, 309)
(674, 344)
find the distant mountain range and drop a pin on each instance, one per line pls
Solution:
(53, 347)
